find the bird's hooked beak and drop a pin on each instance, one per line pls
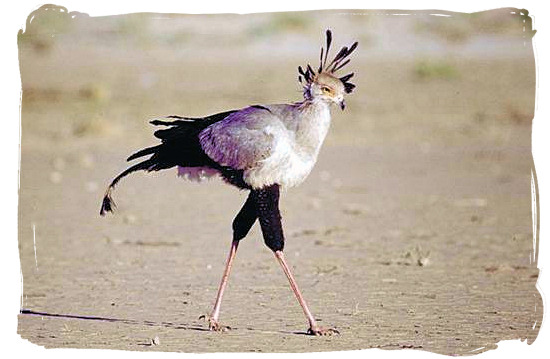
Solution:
(342, 104)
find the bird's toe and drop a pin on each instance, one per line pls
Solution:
(217, 327)
(214, 325)
(319, 331)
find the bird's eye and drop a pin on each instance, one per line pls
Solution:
(326, 89)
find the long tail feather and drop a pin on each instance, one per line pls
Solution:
(179, 147)
(143, 152)
(108, 204)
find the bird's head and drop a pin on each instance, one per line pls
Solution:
(325, 85)
(328, 88)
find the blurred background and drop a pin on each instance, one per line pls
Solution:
(414, 230)
(422, 78)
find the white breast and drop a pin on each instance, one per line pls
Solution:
(294, 154)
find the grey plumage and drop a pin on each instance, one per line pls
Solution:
(242, 139)
(272, 145)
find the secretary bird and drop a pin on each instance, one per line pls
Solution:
(261, 148)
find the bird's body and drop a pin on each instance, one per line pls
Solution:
(275, 144)
(260, 148)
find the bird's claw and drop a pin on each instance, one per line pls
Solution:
(319, 331)
(214, 325)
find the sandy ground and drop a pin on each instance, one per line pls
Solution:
(414, 230)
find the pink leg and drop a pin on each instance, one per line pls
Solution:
(314, 329)
(214, 316)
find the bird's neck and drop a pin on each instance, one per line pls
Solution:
(315, 106)
(313, 125)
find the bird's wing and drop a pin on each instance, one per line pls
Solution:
(244, 138)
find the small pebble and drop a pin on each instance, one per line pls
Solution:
(155, 341)
(423, 261)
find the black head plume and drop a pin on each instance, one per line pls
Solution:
(338, 62)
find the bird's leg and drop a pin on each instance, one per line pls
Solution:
(241, 226)
(314, 329)
(267, 207)
(213, 323)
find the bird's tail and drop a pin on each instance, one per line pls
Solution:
(179, 147)
(108, 204)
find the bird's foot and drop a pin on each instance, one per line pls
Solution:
(320, 331)
(213, 324)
